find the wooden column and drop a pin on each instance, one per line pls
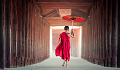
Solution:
(13, 33)
(104, 49)
(104, 32)
(19, 33)
(26, 28)
(118, 46)
(114, 32)
(109, 32)
(102, 35)
(7, 32)
(33, 36)
(23, 33)
(1, 36)
(28, 33)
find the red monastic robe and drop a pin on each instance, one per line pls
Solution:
(63, 49)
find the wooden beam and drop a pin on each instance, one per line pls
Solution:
(63, 0)
(65, 5)
(52, 13)
(79, 13)
(61, 22)
(52, 17)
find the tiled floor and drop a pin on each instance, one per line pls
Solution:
(56, 64)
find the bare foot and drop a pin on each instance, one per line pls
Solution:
(63, 65)
(67, 66)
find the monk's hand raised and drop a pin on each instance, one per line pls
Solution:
(72, 33)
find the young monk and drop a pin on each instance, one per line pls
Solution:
(63, 49)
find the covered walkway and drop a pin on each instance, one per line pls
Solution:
(28, 34)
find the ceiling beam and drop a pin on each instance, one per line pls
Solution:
(63, 0)
(52, 17)
(79, 13)
(52, 13)
(65, 5)
(60, 22)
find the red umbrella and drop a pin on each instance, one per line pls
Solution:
(73, 18)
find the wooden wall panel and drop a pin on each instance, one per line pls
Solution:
(5, 33)
(99, 43)
(29, 34)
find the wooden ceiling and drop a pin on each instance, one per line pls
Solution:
(58, 21)
(50, 10)
(63, 0)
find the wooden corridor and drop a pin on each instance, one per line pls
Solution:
(25, 30)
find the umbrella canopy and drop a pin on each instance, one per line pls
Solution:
(73, 18)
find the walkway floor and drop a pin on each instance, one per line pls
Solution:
(56, 64)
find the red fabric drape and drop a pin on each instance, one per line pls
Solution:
(63, 48)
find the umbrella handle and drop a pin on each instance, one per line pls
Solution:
(72, 24)
(72, 28)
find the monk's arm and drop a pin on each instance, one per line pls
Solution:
(72, 34)
(59, 41)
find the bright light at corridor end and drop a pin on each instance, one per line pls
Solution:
(52, 54)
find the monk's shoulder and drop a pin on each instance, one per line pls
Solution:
(62, 33)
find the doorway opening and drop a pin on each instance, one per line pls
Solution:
(75, 50)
